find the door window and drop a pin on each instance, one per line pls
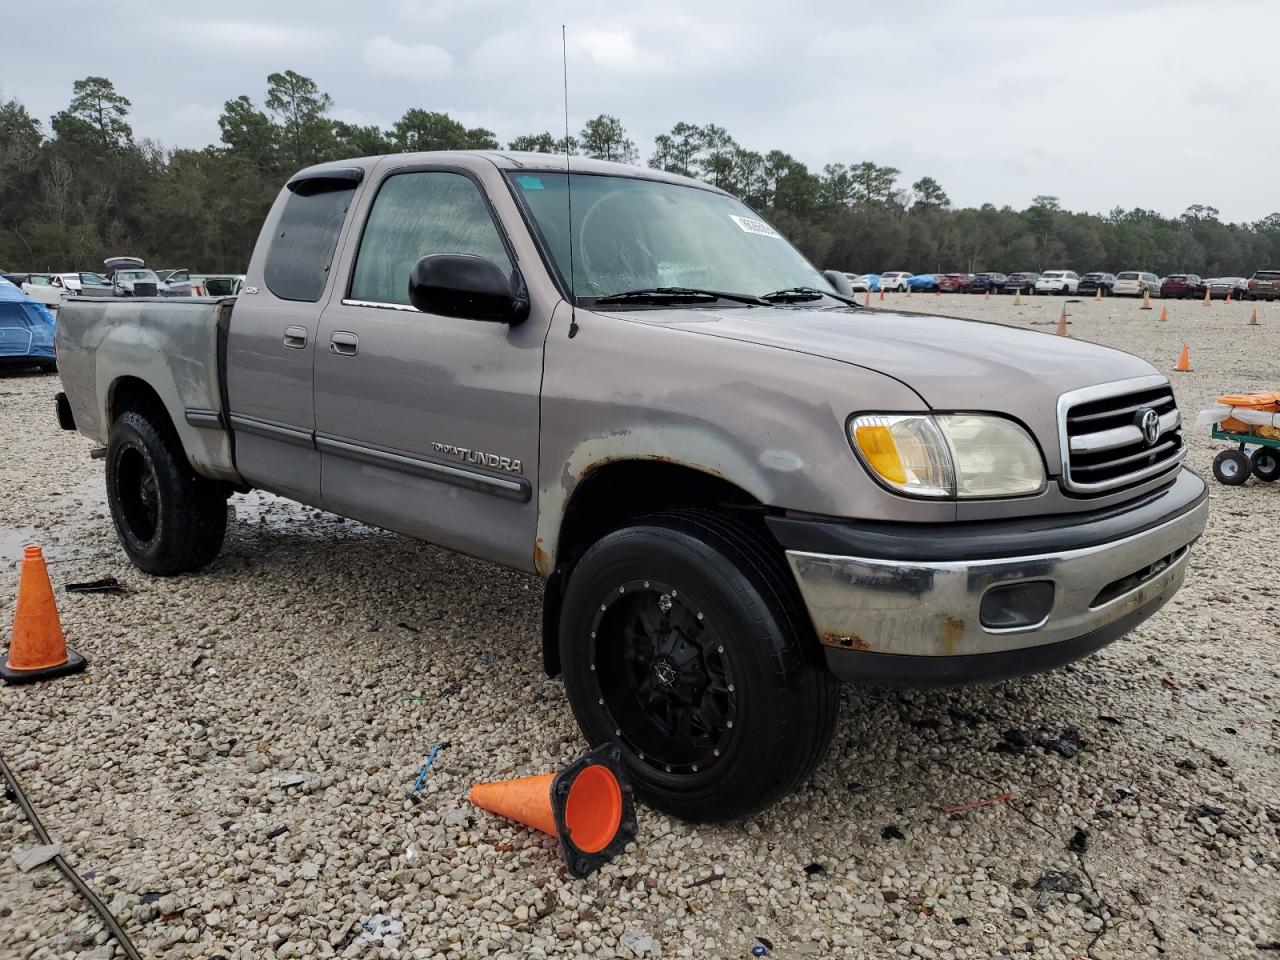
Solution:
(301, 250)
(416, 215)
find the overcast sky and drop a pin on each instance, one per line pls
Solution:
(1122, 103)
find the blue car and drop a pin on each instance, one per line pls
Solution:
(923, 283)
(26, 330)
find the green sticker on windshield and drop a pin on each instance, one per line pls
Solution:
(530, 183)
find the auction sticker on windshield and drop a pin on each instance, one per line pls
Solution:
(752, 225)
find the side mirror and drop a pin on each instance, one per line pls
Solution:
(473, 288)
(839, 281)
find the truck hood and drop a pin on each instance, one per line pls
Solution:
(952, 364)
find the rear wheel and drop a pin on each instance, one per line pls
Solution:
(1266, 464)
(169, 519)
(684, 642)
(1231, 467)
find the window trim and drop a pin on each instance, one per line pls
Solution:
(348, 300)
(353, 195)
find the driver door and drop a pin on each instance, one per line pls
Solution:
(428, 424)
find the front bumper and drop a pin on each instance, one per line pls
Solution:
(907, 609)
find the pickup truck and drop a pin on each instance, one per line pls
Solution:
(738, 486)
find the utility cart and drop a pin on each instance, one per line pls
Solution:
(1233, 467)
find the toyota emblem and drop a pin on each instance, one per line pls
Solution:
(1149, 424)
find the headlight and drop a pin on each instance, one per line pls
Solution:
(965, 455)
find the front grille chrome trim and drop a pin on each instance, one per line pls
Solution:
(1116, 438)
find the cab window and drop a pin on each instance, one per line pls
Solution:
(306, 235)
(415, 215)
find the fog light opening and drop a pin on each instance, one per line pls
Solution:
(1016, 605)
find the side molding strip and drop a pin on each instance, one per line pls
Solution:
(508, 488)
(275, 431)
(204, 418)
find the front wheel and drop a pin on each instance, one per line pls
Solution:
(683, 640)
(169, 519)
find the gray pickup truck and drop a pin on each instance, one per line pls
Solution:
(738, 486)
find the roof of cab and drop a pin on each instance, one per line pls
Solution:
(502, 159)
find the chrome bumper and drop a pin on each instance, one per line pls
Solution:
(931, 609)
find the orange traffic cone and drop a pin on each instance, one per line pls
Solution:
(587, 807)
(1253, 317)
(1062, 323)
(988, 296)
(882, 293)
(1146, 300)
(1097, 294)
(1017, 298)
(867, 302)
(37, 649)
(1206, 296)
(937, 292)
(1228, 296)
(1164, 313)
(1184, 361)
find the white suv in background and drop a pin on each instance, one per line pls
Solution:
(1134, 283)
(895, 281)
(1058, 281)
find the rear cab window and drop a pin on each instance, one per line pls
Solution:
(306, 235)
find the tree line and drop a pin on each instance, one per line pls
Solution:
(85, 188)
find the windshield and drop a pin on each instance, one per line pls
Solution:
(631, 234)
(135, 275)
(1126, 276)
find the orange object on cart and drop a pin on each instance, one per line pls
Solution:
(1265, 401)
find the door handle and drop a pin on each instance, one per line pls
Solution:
(344, 344)
(295, 337)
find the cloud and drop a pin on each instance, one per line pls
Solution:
(385, 57)
(617, 50)
(250, 38)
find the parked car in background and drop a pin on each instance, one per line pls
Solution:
(923, 283)
(229, 284)
(1264, 285)
(895, 281)
(953, 282)
(1221, 287)
(1095, 281)
(1179, 286)
(869, 281)
(982, 282)
(51, 290)
(1024, 282)
(175, 283)
(1058, 281)
(1134, 283)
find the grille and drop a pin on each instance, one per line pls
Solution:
(1103, 447)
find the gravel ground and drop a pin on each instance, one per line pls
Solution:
(232, 773)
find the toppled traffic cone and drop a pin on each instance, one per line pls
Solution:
(1184, 361)
(1146, 300)
(1164, 313)
(587, 807)
(1253, 317)
(37, 649)
(1062, 323)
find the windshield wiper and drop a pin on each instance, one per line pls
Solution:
(677, 294)
(805, 294)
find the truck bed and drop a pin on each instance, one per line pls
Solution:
(176, 345)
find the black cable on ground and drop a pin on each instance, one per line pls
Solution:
(91, 898)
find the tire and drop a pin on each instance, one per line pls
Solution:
(169, 520)
(1265, 463)
(733, 653)
(1231, 467)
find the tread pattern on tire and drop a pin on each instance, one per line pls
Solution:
(200, 508)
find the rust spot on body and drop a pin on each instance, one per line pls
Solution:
(541, 562)
(850, 641)
(952, 631)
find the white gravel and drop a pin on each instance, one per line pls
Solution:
(232, 771)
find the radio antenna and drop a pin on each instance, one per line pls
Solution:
(568, 186)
